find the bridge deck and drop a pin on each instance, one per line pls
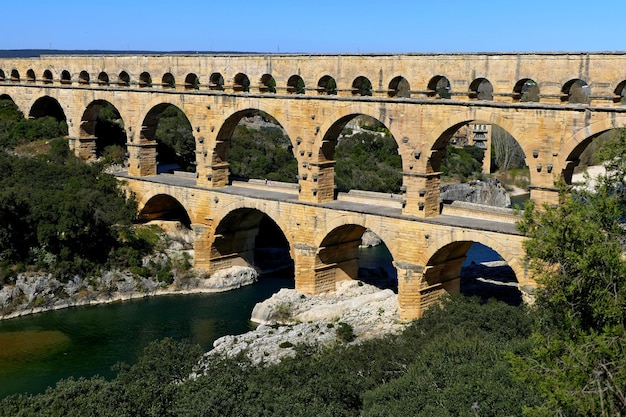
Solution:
(272, 192)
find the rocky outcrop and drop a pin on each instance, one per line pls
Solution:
(370, 239)
(490, 193)
(290, 318)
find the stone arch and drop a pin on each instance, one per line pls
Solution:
(230, 122)
(357, 219)
(30, 76)
(439, 87)
(192, 82)
(18, 105)
(526, 90)
(481, 89)
(15, 76)
(327, 85)
(399, 87)
(440, 135)
(145, 80)
(151, 115)
(295, 85)
(241, 83)
(47, 77)
(576, 144)
(123, 79)
(2, 76)
(244, 231)
(332, 126)
(163, 207)
(103, 79)
(47, 106)
(102, 132)
(216, 81)
(619, 94)
(361, 86)
(337, 256)
(66, 77)
(168, 80)
(83, 77)
(576, 91)
(267, 84)
(443, 269)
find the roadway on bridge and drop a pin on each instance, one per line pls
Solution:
(272, 192)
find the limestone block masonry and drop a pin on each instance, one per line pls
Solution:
(554, 104)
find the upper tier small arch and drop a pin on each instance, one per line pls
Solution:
(192, 82)
(361, 86)
(327, 85)
(526, 90)
(295, 85)
(481, 89)
(168, 80)
(576, 91)
(267, 84)
(66, 77)
(439, 87)
(399, 87)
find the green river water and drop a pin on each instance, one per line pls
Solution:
(36, 351)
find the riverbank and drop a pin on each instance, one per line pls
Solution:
(37, 293)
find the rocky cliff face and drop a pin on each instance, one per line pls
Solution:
(490, 193)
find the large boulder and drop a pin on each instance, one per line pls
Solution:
(490, 193)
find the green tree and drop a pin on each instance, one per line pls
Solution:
(576, 253)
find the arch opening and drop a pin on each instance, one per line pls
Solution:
(327, 85)
(192, 82)
(123, 79)
(241, 83)
(584, 159)
(169, 127)
(145, 80)
(166, 208)
(2, 76)
(66, 77)
(399, 87)
(249, 237)
(47, 77)
(15, 76)
(102, 121)
(480, 163)
(83, 77)
(526, 90)
(576, 91)
(48, 106)
(439, 87)
(481, 89)
(30, 76)
(216, 82)
(256, 147)
(295, 85)
(267, 84)
(168, 81)
(362, 86)
(474, 270)
(103, 79)
(352, 252)
(365, 156)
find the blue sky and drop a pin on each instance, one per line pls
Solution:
(321, 26)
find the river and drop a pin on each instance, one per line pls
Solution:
(38, 350)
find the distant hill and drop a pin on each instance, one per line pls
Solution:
(32, 53)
